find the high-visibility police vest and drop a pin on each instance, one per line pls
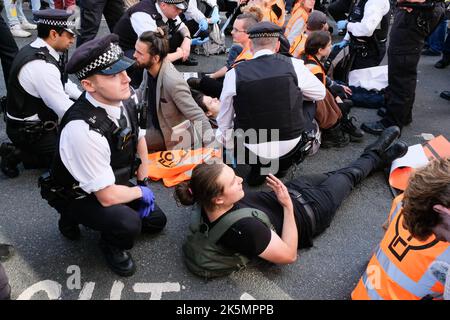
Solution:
(295, 29)
(400, 267)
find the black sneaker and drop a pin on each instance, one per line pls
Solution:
(10, 159)
(356, 134)
(120, 261)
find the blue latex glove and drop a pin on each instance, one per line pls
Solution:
(215, 17)
(147, 202)
(203, 25)
(341, 44)
(341, 24)
(198, 41)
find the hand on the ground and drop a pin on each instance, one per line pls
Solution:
(280, 191)
(347, 90)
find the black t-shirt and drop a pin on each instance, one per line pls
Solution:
(250, 236)
(152, 101)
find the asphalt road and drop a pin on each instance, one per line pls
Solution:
(46, 264)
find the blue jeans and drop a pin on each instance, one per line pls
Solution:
(435, 41)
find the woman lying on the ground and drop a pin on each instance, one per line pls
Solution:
(298, 211)
(210, 105)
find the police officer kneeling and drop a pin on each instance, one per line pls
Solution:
(96, 157)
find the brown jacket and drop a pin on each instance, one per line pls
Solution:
(175, 107)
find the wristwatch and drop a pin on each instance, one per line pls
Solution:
(143, 182)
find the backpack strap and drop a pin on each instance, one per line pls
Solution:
(216, 232)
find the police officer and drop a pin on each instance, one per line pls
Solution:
(147, 15)
(413, 21)
(367, 29)
(96, 156)
(196, 20)
(37, 95)
(8, 47)
(267, 92)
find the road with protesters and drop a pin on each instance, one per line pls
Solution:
(47, 265)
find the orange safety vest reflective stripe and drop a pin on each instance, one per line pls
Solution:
(176, 166)
(295, 29)
(298, 46)
(272, 16)
(400, 267)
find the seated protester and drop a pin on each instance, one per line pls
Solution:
(38, 94)
(99, 157)
(299, 211)
(266, 94)
(196, 20)
(171, 108)
(317, 21)
(209, 105)
(147, 15)
(418, 235)
(317, 49)
(273, 10)
(296, 25)
(212, 85)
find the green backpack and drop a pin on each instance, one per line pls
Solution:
(207, 259)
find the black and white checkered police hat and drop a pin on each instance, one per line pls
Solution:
(264, 30)
(98, 56)
(56, 18)
(181, 4)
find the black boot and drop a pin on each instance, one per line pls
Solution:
(6, 251)
(397, 150)
(334, 137)
(69, 229)
(10, 159)
(120, 261)
(384, 141)
(356, 134)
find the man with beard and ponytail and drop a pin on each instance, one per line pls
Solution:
(171, 109)
(97, 154)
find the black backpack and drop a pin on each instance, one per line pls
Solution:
(207, 259)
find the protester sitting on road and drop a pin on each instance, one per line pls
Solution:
(171, 109)
(240, 51)
(273, 10)
(296, 25)
(317, 48)
(298, 211)
(417, 236)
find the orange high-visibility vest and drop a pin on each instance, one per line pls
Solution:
(400, 267)
(298, 46)
(295, 29)
(245, 54)
(274, 9)
(315, 68)
(176, 166)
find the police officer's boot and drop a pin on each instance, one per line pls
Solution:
(120, 261)
(356, 134)
(69, 229)
(10, 159)
(334, 137)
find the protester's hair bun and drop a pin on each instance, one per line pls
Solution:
(160, 32)
(183, 194)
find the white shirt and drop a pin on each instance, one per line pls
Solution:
(312, 89)
(86, 153)
(43, 80)
(141, 21)
(193, 12)
(374, 11)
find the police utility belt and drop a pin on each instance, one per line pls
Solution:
(32, 127)
(305, 204)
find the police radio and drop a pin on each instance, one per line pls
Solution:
(142, 107)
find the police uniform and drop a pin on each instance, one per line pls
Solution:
(148, 16)
(37, 97)
(267, 92)
(406, 42)
(94, 153)
(367, 30)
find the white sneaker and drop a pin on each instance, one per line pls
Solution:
(28, 26)
(18, 32)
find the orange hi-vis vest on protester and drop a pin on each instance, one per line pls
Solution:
(276, 12)
(245, 54)
(400, 267)
(298, 47)
(176, 166)
(315, 67)
(295, 29)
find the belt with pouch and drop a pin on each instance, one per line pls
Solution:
(309, 211)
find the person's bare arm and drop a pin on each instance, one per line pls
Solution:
(117, 194)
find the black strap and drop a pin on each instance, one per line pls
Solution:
(298, 197)
(123, 120)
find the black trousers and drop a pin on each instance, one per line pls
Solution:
(405, 45)
(119, 224)
(36, 150)
(371, 57)
(8, 49)
(211, 87)
(5, 289)
(91, 15)
(325, 192)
